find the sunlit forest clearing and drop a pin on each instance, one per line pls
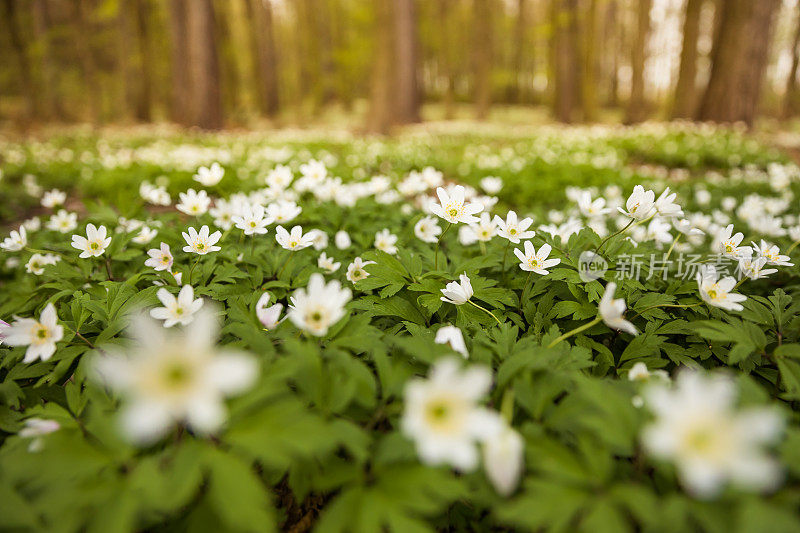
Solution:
(399, 265)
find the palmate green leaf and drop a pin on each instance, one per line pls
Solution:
(745, 336)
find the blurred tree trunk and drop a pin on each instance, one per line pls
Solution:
(204, 97)
(613, 34)
(324, 35)
(637, 107)
(790, 98)
(51, 105)
(738, 63)
(144, 108)
(686, 88)
(589, 74)
(24, 75)
(381, 112)
(125, 62)
(83, 31)
(265, 54)
(179, 58)
(445, 61)
(135, 58)
(482, 57)
(408, 101)
(564, 15)
(519, 52)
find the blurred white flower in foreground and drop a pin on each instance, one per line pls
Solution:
(39, 336)
(611, 311)
(178, 310)
(173, 376)
(503, 459)
(95, 242)
(697, 427)
(268, 316)
(319, 306)
(35, 429)
(442, 415)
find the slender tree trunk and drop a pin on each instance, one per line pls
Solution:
(265, 54)
(145, 81)
(588, 86)
(179, 58)
(738, 64)
(790, 98)
(407, 104)
(637, 107)
(24, 76)
(616, 33)
(446, 61)
(205, 100)
(48, 86)
(519, 52)
(381, 113)
(565, 59)
(482, 57)
(686, 88)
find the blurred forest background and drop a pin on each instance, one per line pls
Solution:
(270, 63)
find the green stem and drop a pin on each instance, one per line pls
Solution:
(525, 291)
(614, 235)
(575, 331)
(284, 265)
(483, 247)
(792, 247)
(505, 256)
(191, 270)
(674, 242)
(486, 311)
(438, 242)
(739, 283)
(507, 405)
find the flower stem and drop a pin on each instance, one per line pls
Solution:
(505, 256)
(486, 311)
(674, 242)
(284, 265)
(792, 247)
(191, 270)
(614, 235)
(438, 241)
(575, 331)
(525, 291)
(507, 405)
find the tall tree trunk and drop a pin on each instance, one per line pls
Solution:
(145, 81)
(520, 51)
(615, 33)
(482, 57)
(179, 59)
(564, 15)
(24, 76)
(637, 107)
(381, 113)
(205, 99)
(266, 59)
(589, 73)
(790, 98)
(686, 88)
(446, 60)
(48, 86)
(407, 104)
(738, 63)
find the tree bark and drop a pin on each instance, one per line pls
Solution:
(589, 41)
(637, 107)
(482, 57)
(380, 117)
(790, 98)
(564, 14)
(179, 58)
(408, 101)
(686, 88)
(446, 61)
(24, 76)
(738, 62)
(145, 98)
(520, 50)
(48, 85)
(266, 64)
(205, 100)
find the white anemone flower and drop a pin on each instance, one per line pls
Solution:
(753, 266)
(727, 243)
(772, 253)
(666, 206)
(611, 311)
(53, 198)
(180, 310)
(268, 316)
(170, 377)
(640, 204)
(453, 207)
(514, 229)
(210, 176)
(458, 292)
(251, 219)
(37, 262)
(697, 427)
(443, 417)
(16, 241)
(503, 460)
(427, 230)
(491, 184)
(385, 241)
(452, 336)
(327, 263)
(319, 306)
(40, 336)
(342, 240)
(160, 258)
(201, 242)
(63, 221)
(283, 211)
(193, 202)
(36, 428)
(355, 270)
(717, 292)
(294, 240)
(538, 263)
(95, 242)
